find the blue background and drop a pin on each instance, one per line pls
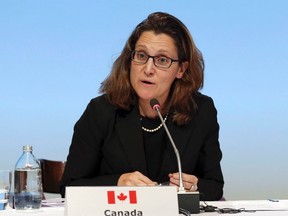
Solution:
(54, 55)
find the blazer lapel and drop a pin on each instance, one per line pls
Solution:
(128, 127)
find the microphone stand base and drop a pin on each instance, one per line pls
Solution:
(189, 201)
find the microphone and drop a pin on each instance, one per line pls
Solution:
(186, 200)
(154, 103)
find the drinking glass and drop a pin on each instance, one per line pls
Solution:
(5, 186)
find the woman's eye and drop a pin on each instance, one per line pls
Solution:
(141, 56)
(162, 59)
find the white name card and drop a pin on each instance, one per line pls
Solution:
(121, 201)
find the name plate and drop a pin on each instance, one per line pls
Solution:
(121, 201)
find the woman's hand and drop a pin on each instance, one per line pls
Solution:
(189, 181)
(135, 179)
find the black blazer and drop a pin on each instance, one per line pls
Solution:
(108, 142)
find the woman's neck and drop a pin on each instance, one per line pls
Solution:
(146, 110)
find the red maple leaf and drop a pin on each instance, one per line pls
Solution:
(122, 197)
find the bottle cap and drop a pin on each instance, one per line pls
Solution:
(27, 148)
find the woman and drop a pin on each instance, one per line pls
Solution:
(119, 139)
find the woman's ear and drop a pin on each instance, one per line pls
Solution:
(182, 69)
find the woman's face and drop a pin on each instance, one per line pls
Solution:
(149, 81)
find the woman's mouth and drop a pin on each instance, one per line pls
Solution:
(147, 82)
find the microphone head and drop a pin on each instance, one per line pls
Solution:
(154, 103)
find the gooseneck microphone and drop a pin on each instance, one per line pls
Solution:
(154, 103)
(187, 200)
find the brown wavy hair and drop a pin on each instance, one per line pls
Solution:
(182, 96)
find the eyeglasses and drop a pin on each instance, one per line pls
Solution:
(159, 61)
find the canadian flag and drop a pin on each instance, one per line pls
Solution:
(122, 197)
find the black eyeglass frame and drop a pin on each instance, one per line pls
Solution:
(133, 52)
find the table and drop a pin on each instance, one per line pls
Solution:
(266, 208)
(262, 207)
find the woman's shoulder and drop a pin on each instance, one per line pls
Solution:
(202, 98)
(101, 105)
(102, 101)
(204, 102)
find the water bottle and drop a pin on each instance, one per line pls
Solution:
(27, 181)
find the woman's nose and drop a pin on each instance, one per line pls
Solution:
(149, 67)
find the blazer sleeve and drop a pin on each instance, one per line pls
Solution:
(208, 168)
(85, 155)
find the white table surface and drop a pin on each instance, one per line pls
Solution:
(265, 208)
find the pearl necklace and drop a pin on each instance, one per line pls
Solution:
(155, 129)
